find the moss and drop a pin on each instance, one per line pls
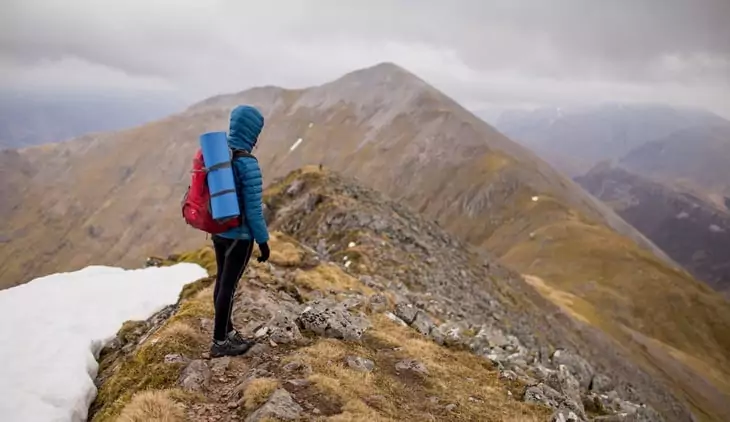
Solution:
(145, 370)
(130, 331)
(192, 310)
(469, 332)
(204, 257)
(191, 289)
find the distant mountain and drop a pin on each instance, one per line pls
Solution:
(574, 139)
(697, 158)
(114, 198)
(692, 231)
(33, 119)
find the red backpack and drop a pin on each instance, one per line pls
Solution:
(196, 202)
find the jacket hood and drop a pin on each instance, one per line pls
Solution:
(245, 127)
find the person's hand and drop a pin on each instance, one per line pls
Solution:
(264, 248)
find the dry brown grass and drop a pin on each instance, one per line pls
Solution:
(455, 377)
(152, 406)
(285, 251)
(328, 277)
(258, 391)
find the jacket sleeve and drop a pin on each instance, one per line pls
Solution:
(252, 184)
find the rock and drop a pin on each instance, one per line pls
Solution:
(282, 328)
(391, 316)
(595, 404)
(370, 282)
(352, 302)
(564, 415)
(195, 376)
(450, 407)
(508, 375)
(448, 334)
(176, 358)
(220, 365)
(280, 406)
(422, 323)
(411, 365)
(406, 312)
(543, 394)
(582, 370)
(258, 349)
(297, 366)
(601, 384)
(298, 383)
(360, 364)
(329, 319)
(642, 414)
(547, 396)
(377, 303)
(564, 382)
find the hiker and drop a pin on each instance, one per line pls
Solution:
(233, 248)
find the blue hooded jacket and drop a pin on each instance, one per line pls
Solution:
(245, 127)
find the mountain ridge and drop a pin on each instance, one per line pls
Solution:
(695, 232)
(114, 198)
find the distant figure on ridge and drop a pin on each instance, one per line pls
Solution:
(233, 248)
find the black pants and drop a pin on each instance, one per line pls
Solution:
(231, 256)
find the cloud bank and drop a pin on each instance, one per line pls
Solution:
(485, 53)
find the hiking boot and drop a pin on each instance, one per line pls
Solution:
(229, 348)
(236, 338)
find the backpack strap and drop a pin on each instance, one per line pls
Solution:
(239, 153)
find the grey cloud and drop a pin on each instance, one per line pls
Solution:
(479, 50)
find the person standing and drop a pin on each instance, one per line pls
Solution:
(234, 247)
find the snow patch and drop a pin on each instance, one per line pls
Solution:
(55, 326)
(296, 144)
(535, 199)
(716, 229)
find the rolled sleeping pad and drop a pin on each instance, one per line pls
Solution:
(217, 159)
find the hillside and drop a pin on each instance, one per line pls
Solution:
(99, 195)
(114, 198)
(574, 139)
(696, 158)
(361, 318)
(694, 232)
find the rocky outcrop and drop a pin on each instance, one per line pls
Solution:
(414, 306)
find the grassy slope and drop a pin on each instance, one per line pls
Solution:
(620, 287)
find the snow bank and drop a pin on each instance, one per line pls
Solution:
(54, 327)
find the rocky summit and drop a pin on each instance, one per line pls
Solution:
(367, 312)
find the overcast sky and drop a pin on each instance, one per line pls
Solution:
(484, 53)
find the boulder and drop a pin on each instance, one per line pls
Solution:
(601, 384)
(412, 366)
(422, 323)
(360, 364)
(406, 312)
(564, 382)
(280, 406)
(195, 376)
(283, 329)
(377, 303)
(582, 370)
(327, 318)
(565, 415)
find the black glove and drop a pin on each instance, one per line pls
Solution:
(264, 248)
